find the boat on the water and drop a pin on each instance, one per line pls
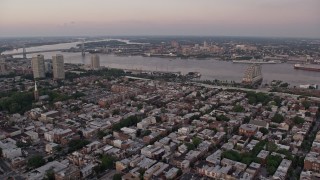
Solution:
(193, 75)
(307, 67)
(256, 61)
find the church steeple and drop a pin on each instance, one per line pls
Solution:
(36, 93)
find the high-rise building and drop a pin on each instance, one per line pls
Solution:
(205, 44)
(38, 68)
(95, 61)
(58, 67)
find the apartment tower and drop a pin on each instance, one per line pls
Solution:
(58, 67)
(95, 62)
(38, 67)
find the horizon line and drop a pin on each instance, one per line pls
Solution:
(158, 35)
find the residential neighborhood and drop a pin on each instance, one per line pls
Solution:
(92, 127)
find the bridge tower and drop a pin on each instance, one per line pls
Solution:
(24, 52)
(253, 75)
(82, 48)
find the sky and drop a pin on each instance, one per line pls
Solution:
(267, 18)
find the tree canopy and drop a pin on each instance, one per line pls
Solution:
(264, 131)
(272, 163)
(278, 118)
(36, 161)
(77, 144)
(238, 108)
(18, 102)
(130, 121)
(222, 118)
(117, 177)
(196, 141)
(298, 120)
(254, 98)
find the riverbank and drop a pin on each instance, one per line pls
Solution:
(210, 69)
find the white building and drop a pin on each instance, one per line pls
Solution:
(33, 135)
(40, 172)
(50, 147)
(87, 170)
(9, 148)
(49, 136)
(12, 153)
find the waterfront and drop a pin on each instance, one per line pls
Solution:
(209, 68)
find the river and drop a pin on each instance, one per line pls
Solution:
(210, 69)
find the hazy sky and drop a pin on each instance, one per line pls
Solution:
(280, 18)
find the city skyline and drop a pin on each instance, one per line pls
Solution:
(286, 18)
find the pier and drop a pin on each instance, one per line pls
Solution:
(139, 71)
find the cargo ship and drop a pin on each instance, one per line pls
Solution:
(256, 62)
(307, 67)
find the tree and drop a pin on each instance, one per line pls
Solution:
(116, 112)
(233, 155)
(238, 108)
(80, 134)
(107, 162)
(141, 172)
(101, 134)
(277, 100)
(21, 144)
(196, 141)
(146, 133)
(49, 175)
(246, 120)
(298, 120)
(190, 146)
(246, 160)
(117, 177)
(278, 118)
(77, 95)
(284, 85)
(17, 102)
(254, 98)
(256, 150)
(77, 144)
(272, 163)
(271, 170)
(287, 153)
(306, 104)
(222, 118)
(130, 121)
(271, 146)
(140, 106)
(36, 161)
(264, 131)
(308, 114)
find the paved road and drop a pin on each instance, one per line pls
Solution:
(109, 174)
(237, 88)
(255, 90)
(4, 166)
